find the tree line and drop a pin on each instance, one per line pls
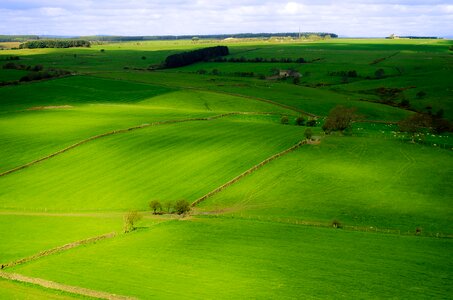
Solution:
(190, 57)
(54, 44)
(299, 60)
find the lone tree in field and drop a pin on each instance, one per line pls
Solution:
(155, 205)
(339, 119)
(130, 219)
(182, 206)
(300, 121)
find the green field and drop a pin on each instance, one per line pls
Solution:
(137, 135)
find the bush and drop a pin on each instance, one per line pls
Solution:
(130, 219)
(202, 72)
(143, 57)
(311, 123)
(168, 206)
(300, 121)
(308, 133)
(336, 224)
(182, 206)
(155, 205)
(339, 119)
(380, 73)
(420, 94)
(284, 120)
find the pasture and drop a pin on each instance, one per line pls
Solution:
(364, 214)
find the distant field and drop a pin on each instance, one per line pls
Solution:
(271, 234)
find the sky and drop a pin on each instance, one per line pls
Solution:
(354, 18)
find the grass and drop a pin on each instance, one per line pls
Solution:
(254, 260)
(249, 243)
(126, 171)
(402, 186)
(15, 290)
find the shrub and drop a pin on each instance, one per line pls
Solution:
(300, 121)
(380, 73)
(143, 57)
(308, 133)
(311, 123)
(336, 224)
(284, 120)
(420, 94)
(202, 72)
(130, 219)
(102, 50)
(182, 206)
(155, 205)
(339, 119)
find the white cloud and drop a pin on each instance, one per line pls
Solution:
(141, 17)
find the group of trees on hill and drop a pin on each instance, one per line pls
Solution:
(37, 72)
(419, 122)
(180, 207)
(190, 57)
(55, 44)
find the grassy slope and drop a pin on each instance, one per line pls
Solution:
(359, 181)
(166, 162)
(26, 136)
(207, 258)
(23, 236)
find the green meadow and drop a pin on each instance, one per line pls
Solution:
(366, 214)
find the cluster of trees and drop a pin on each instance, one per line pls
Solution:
(17, 38)
(180, 207)
(419, 122)
(40, 75)
(339, 119)
(190, 57)
(55, 44)
(300, 60)
(300, 121)
(37, 72)
(13, 66)
(352, 73)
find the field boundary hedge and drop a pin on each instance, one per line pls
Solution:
(124, 131)
(249, 171)
(62, 287)
(58, 249)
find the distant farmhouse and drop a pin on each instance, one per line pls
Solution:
(289, 73)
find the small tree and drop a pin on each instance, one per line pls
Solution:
(420, 94)
(182, 206)
(130, 219)
(311, 123)
(284, 120)
(414, 123)
(155, 205)
(380, 73)
(308, 133)
(339, 119)
(300, 121)
(296, 80)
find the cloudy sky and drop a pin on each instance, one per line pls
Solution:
(365, 18)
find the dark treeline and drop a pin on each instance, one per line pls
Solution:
(17, 38)
(352, 73)
(190, 57)
(420, 37)
(300, 60)
(36, 72)
(55, 44)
